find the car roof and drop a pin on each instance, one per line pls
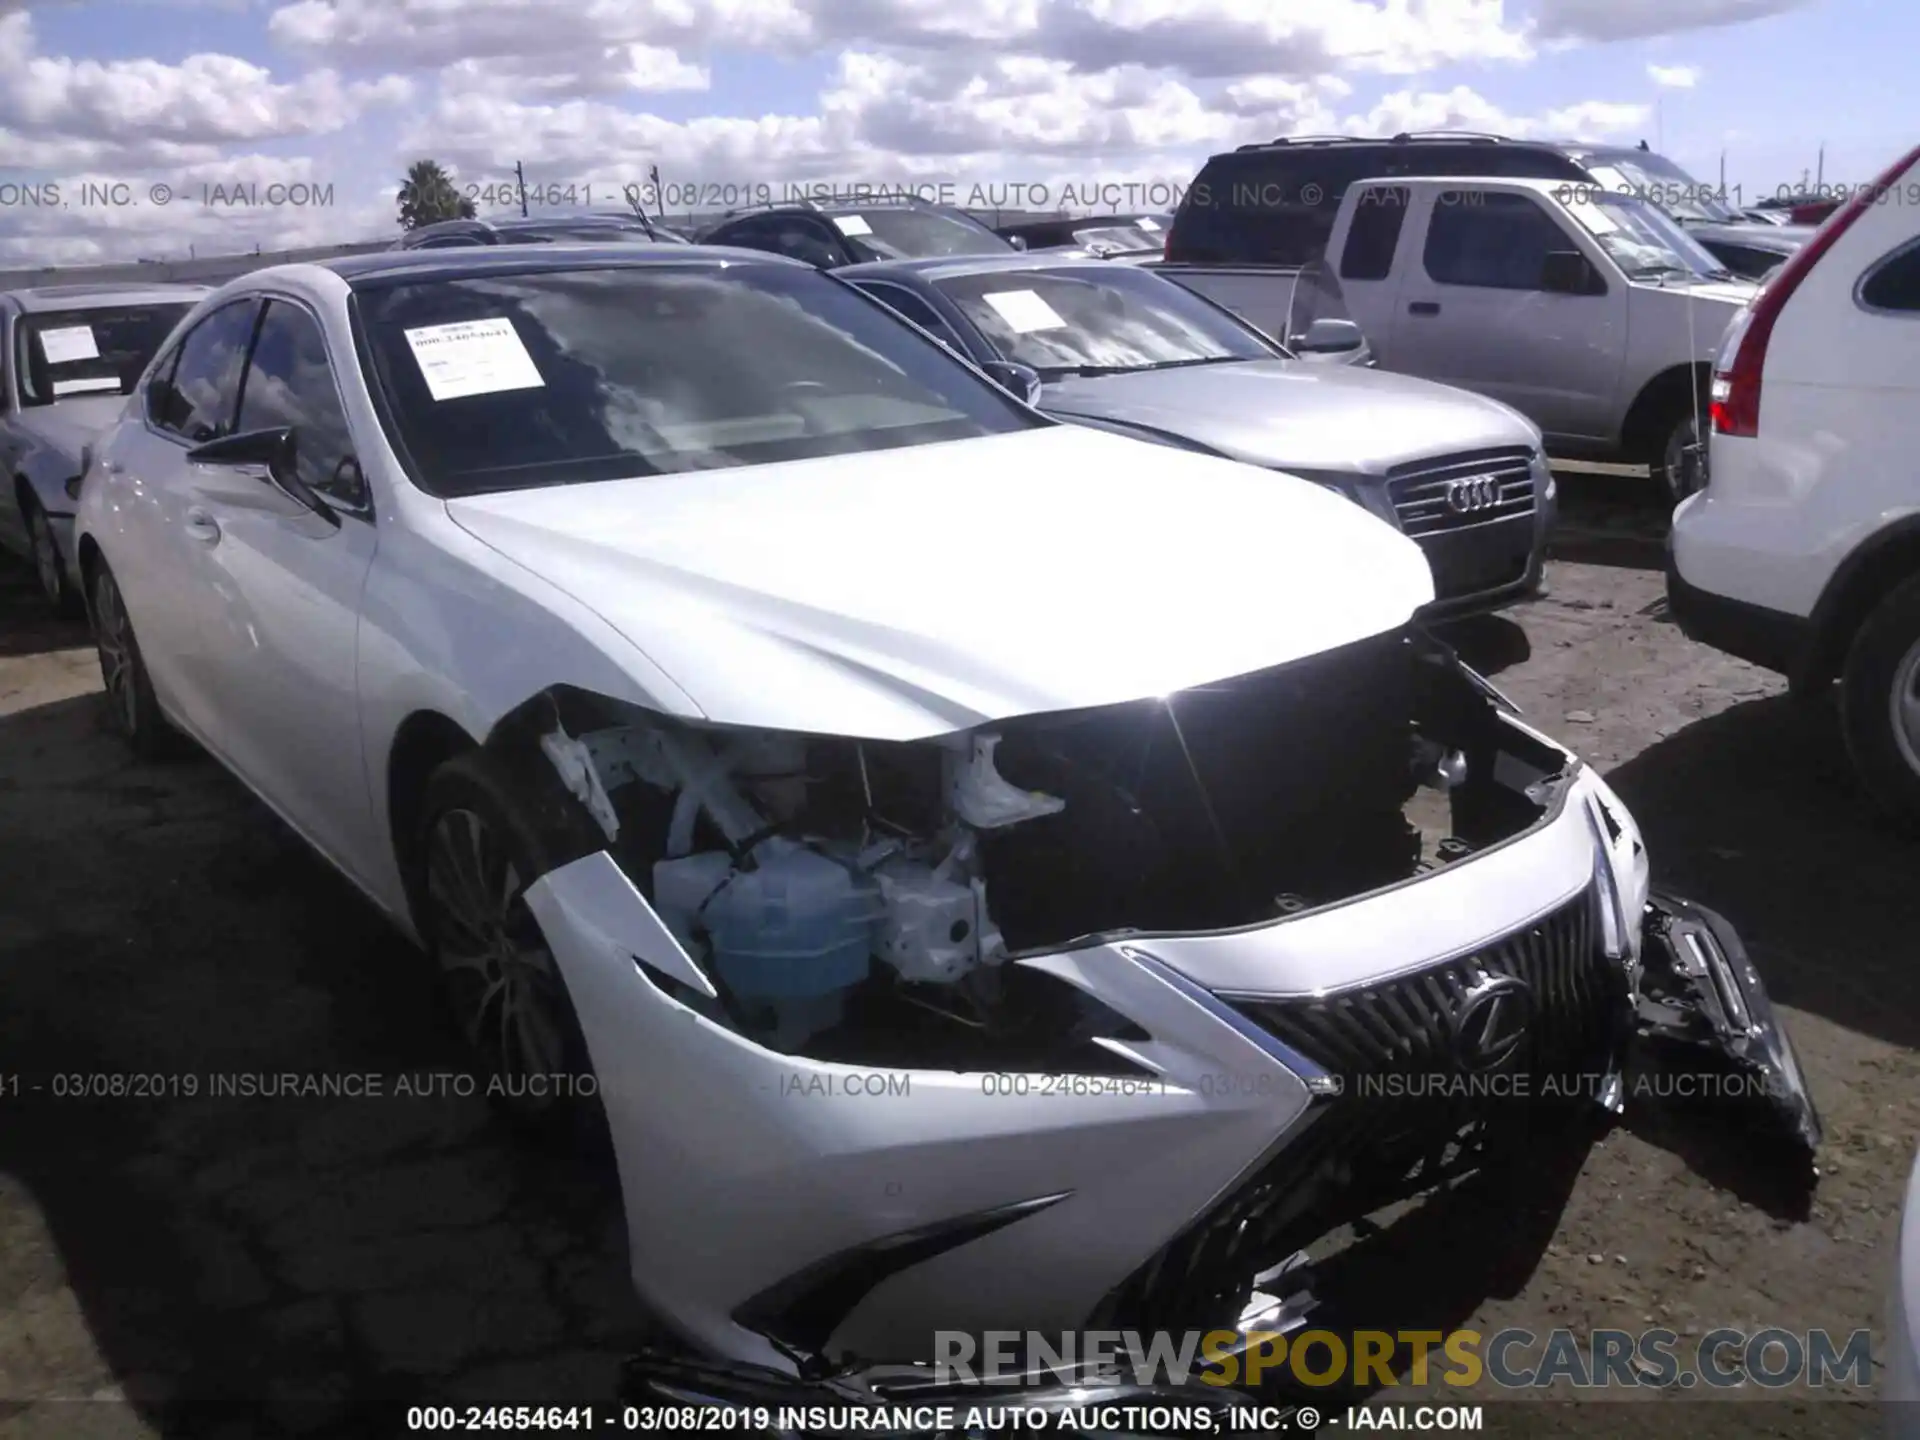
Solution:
(419, 265)
(1540, 185)
(950, 267)
(39, 298)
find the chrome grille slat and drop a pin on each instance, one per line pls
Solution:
(1419, 492)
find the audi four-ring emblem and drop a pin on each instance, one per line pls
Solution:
(1473, 493)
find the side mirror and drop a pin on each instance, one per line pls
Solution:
(268, 450)
(1020, 381)
(1326, 336)
(1568, 272)
(1018, 242)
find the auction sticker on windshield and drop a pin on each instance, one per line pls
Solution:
(1025, 311)
(69, 343)
(473, 357)
(852, 225)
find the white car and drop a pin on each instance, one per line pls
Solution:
(1900, 1389)
(964, 859)
(1803, 553)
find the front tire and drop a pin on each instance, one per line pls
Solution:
(479, 848)
(1880, 704)
(131, 707)
(49, 566)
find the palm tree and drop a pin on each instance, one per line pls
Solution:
(428, 194)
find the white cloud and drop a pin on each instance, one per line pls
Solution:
(1204, 38)
(1637, 19)
(221, 207)
(1674, 77)
(1463, 109)
(54, 109)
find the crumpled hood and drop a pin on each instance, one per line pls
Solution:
(1298, 415)
(906, 593)
(71, 424)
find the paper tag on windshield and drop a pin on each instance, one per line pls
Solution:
(473, 357)
(96, 385)
(69, 343)
(1025, 311)
(1147, 222)
(852, 225)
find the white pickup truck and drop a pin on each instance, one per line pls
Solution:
(1589, 311)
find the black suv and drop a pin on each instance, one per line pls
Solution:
(854, 232)
(591, 229)
(1275, 203)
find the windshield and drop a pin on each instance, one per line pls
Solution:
(1099, 321)
(555, 377)
(98, 351)
(1656, 179)
(577, 234)
(916, 235)
(1641, 240)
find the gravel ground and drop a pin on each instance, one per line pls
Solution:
(285, 1263)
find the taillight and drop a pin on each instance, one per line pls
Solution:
(1734, 402)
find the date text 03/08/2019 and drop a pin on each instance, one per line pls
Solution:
(903, 1419)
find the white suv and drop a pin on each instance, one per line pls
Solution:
(1803, 552)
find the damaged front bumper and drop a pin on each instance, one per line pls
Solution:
(1700, 995)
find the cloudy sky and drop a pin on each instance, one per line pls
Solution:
(206, 104)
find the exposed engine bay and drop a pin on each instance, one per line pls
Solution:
(856, 901)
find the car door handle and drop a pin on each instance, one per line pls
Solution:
(202, 527)
(1424, 307)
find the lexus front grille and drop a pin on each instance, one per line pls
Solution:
(1433, 1081)
(1431, 497)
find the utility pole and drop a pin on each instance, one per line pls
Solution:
(520, 182)
(1820, 175)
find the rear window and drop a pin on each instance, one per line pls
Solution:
(96, 351)
(1277, 207)
(548, 377)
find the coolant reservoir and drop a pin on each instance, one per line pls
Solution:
(794, 933)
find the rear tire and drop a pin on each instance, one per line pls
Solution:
(1880, 704)
(132, 709)
(480, 847)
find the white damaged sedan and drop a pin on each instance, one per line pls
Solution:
(979, 871)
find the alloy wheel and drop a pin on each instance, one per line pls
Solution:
(1904, 706)
(113, 639)
(499, 973)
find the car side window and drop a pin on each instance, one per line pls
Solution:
(1374, 233)
(290, 382)
(159, 388)
(803, 240)
(754, 234)
(198, 401)
(910, 306)
(1490, 240)
(1894, 283)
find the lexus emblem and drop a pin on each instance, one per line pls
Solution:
(1473, 494)
(1491, 1023)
